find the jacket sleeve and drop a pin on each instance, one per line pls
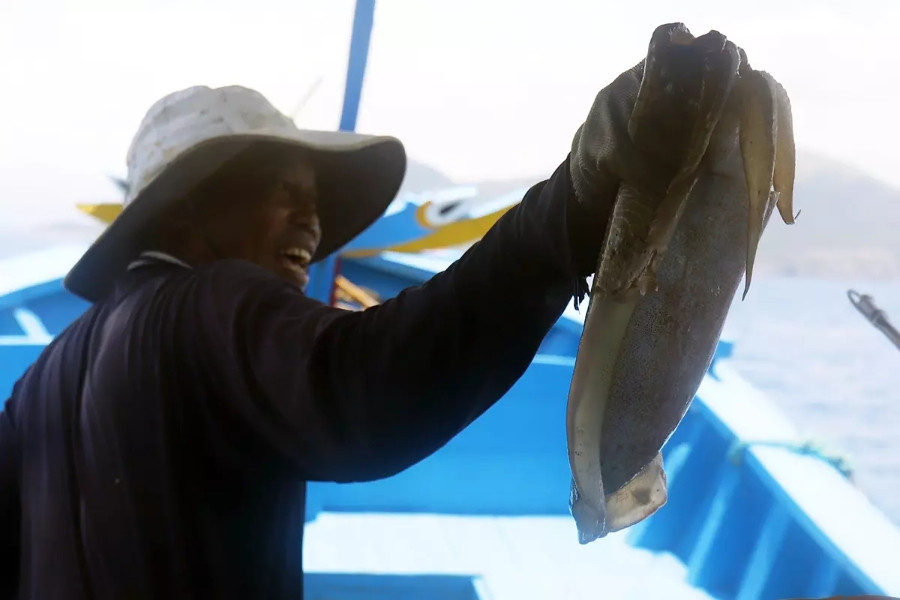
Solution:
(350, 396)
(10, 513)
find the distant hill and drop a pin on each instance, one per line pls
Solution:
(849, 226)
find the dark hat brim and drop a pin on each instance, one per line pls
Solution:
(358, 177)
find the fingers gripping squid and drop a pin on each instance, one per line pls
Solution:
(720, 135)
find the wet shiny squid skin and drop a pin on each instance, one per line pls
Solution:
(671, 265)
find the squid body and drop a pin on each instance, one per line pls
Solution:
(722, 135)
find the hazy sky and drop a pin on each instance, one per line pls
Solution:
(477, 88)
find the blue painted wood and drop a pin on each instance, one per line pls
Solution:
(399, 224)
(792, 566)
(352, 586)
(321, 279)
(24, 295)
(710, 551)
(766, 552)
(407, 271)
(740, 529)
(824, 580)
(363, 18)
(57, 309)
(507, 484)
(705, 485)
(849, 585)
(8, 323)
(14, 361)
(379, 277)
(853, 577)
(52, 307)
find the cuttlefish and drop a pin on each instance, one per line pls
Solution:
(719, 135)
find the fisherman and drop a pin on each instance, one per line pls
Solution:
(160, 446)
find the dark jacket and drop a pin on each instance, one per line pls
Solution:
(159, 447)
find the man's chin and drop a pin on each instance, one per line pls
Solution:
(301, 280)
(295, 275)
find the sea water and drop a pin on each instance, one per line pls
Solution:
(837, 378)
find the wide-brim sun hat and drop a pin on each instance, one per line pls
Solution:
(189, 135)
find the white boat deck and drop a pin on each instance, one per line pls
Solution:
(512, 557)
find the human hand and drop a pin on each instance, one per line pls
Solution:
(603, 154)
(611, 147)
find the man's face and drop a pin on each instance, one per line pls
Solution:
(269, 220)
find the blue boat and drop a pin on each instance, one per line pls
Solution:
(750, 514)
(753, 512)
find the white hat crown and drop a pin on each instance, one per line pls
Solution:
(184, 119)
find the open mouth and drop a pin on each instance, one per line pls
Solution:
(297, 260)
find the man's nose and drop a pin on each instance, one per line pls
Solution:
(307, 218)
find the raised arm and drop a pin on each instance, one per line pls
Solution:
(349, 396)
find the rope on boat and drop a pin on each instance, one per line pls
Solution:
(808, 448)
(865, 304)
